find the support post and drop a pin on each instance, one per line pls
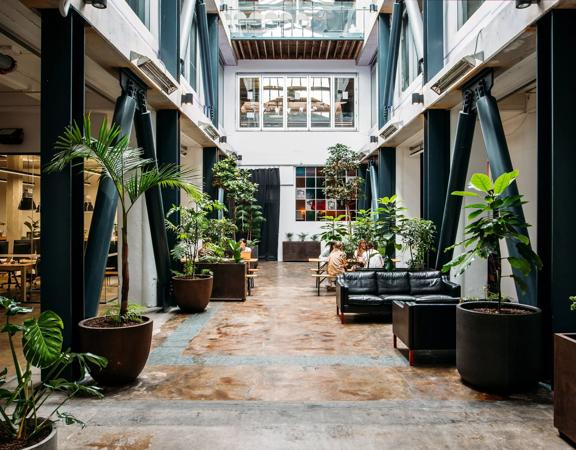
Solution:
(456, 180)
(206, 60)
(435, 168)
(433, 38)
(382, 57)
(209, 158)
(500, 162)
(170, 36)
(213, 36)
(363, 198)
(392, 59)
(62, 214)
(102, 224)
(386, 171)
(186, 18)
(373, 187)
(155, 208)
(415, 22)
(168, 145)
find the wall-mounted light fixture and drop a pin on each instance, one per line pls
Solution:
(188, 98)
(223, 7)
(522, 4)
(374, 139)
(7, 64)
(98, 4)
(223, 139)
(417, 98)
(373, 7)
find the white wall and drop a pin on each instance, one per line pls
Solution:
(288, 149)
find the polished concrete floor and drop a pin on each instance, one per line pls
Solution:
(280, 371)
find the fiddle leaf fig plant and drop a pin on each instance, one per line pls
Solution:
(492, 220)
(418, 237)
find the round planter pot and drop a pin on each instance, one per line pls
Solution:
(50, 442)
(192, 293)
(498, 352)
(126, 348)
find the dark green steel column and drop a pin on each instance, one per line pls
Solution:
(168, 145)
(155, 209)
(500, 162)
(364, 194)
(435, 167)
(205, 58)
(213, 36)
(209, 158)
(381, 58)
(456, 182)
(386, 171)
(170, 36)
(392, 58)
(433, 38)
(102, 224)
(62, 215)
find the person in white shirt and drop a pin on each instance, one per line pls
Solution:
(244, 247)
(372, 258)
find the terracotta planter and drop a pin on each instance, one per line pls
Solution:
(192, 294)
(294, 251)
(126, 348)
(229, 281)
(565, 384)
(498, 352)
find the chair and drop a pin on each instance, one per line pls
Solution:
(22, 247)
(4, 247)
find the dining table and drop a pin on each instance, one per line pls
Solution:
(23, 266)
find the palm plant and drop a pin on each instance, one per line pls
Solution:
(131, 174)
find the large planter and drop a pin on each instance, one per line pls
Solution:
(192, 294)
(295, 251)
(50, 442)
(498, 352)
(565, 385)
(126, 349)
(229, 281)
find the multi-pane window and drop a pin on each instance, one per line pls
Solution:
(250, 102)
(297, 102)
(193, 55)
(410, 67)
(374, 94)
(466, 8)
(142, 10)
(311, 202)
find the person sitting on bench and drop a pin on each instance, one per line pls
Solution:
(336, 263)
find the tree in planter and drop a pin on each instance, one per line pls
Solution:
(492, 220)
(338, 185)
(333, 229)
(42, 348)
(418, 235)
(389, 220)
(131, 174)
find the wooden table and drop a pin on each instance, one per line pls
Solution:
(23, 268)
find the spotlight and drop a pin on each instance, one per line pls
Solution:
(98, 4)
(522, 4)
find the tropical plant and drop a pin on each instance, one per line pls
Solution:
(333, 229)
(131, 174)
(342, 161)
(418, 236)
(314, 237)
(219, 230)
(190, 228)
(234, 249)
(302, 236)
(492, 220)
(573, 304)
(388, 225)
(365, 226)
(33, 227)
(42, 347)
(289, 236)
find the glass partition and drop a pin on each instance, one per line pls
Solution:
(344, 102)
(273, 102)
(297, 102)
(249, 102)
(320, 104)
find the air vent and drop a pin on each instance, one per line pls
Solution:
(391, 128)
(154, 72)
(456, 73)
(416, 150)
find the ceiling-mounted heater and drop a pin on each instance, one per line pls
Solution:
(154, 72)
(416, 150)
(389, 129)
(457, 72)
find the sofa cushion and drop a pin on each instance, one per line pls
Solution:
(391, 283)
(366, 300)
(398, 298)
(444, 299)
(425, 283)
(360, 283)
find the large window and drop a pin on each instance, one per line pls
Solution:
(311, 202)
(142, 10)
(192, 73)
(297, 102)
(466, 8)
(410, 67)
(250, 102)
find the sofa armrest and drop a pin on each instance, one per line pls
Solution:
(450, 288)
(341, 291)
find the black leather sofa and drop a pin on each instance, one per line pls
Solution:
(374, 291)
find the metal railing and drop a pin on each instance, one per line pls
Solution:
(298, 19)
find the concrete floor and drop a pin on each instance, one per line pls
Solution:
(280, 371)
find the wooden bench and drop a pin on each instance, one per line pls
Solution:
(250, 282)
(320, 277)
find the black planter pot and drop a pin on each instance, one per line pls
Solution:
(498, 352)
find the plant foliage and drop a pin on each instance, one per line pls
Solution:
(418, 236)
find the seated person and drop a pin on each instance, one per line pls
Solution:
(244, 247)
(372, 258)
(336, 263)
(360, 251)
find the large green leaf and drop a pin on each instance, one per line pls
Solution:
(504, 180)
(465, 194)
(42, 340)
(481, 182)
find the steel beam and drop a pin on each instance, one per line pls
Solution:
(386, 171)
(364, 197)
(209, 158)
(186, 18)
(213, 36)
(456, 181)
(170, 36)
(381, 58)
(433, 38)
(415, 22)
(62, 214)
(206, 60)
(392, 59)
(373, 187)
(155, 209)
(435, 167)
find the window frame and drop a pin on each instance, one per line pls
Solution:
(332, 77)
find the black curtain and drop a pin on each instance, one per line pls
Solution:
(268, 196)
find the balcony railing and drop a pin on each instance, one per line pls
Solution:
(302, 19)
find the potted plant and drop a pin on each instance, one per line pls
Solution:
(498, 345)
(23, 424)
(418, 236)
(302, 236)
(192, 288)
(565, 382)
(124, 335)
(289, 236)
